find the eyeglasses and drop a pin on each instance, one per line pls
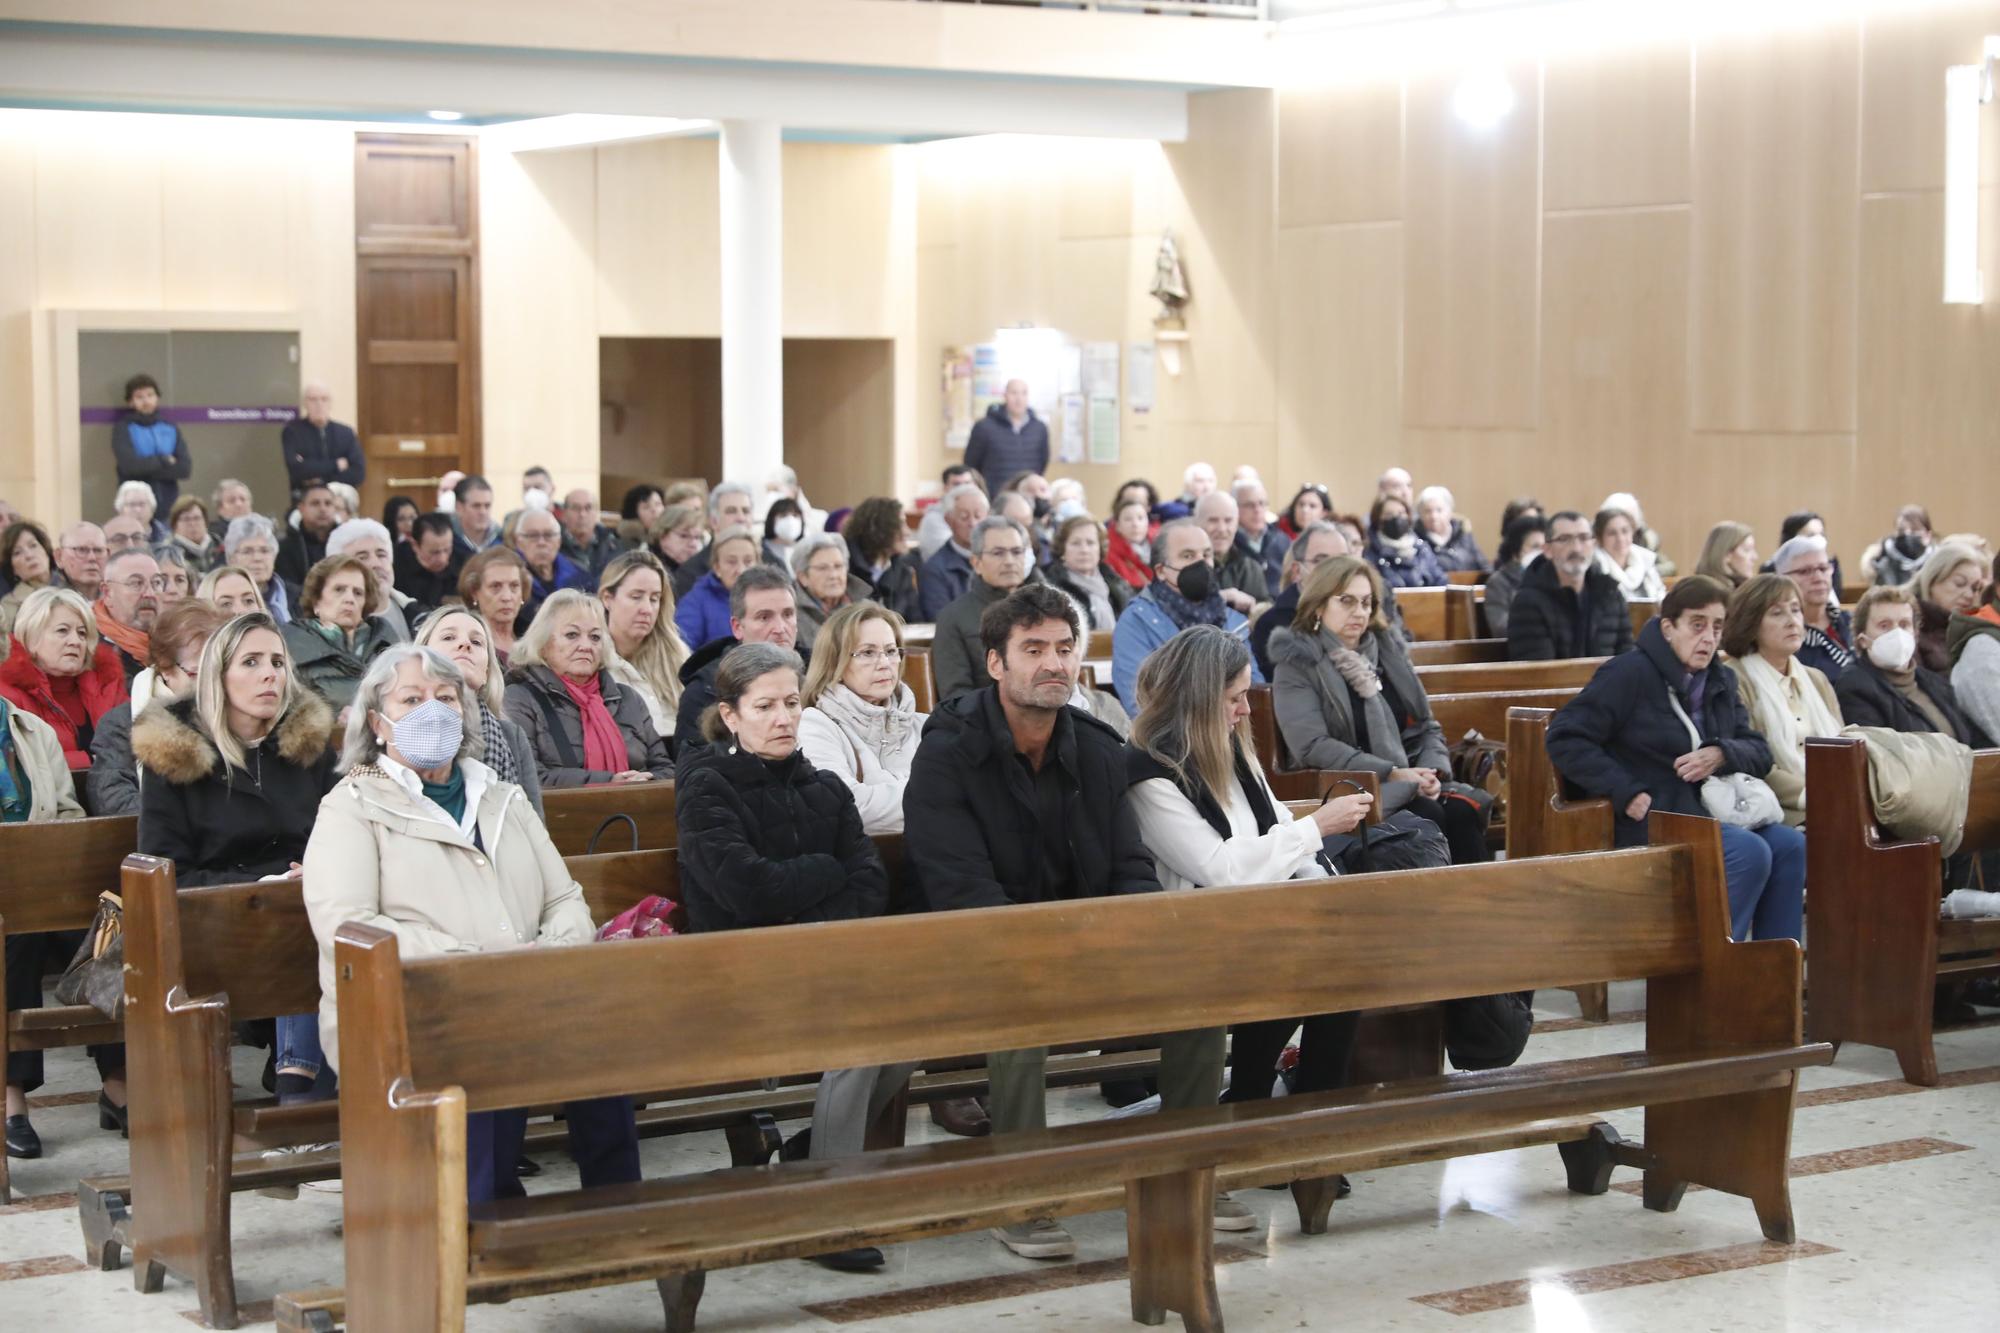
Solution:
(1004, 552)
(870, 656)
(1810, 571)
(139, 583)
(825, 570)
(1580, 538)
(1349, 602)
(86, 550)
(125, 543)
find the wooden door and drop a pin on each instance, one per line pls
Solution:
(417, 312)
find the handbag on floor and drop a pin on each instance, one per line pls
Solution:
(96, 975)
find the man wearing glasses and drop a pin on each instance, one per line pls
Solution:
(80, 553)
(1002, 560)
(128, 605)
(1567, 606)
(1829, 641)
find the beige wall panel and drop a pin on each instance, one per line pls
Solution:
(1758, 479)
(939, 322)
(1904, 52)
(1340, 399)
(837, 237)
(1776, 231)
(224, 237)
(839, 396)
(1471, 210)
(98, 234)
(538, 307)
(18, 461)
(1617, 127)
(1098, 188)
(1483, 469)
(319, 220)
(1340, 154)
(658, 239)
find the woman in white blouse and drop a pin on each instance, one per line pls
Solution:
(1210, 820)
(861, 722)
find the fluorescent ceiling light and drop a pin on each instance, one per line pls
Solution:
(445, 115)
(1967, 89)
(1483, 99)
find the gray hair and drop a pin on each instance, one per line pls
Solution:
(959, 492)
(242, 528)
(1242, 486)
(807, 547)
(131, 490)
(169, 555)
(1441, 493)
(354, 530)
(723, 488)
(1159, 556)
(994, 523)
(362, 746)
(1323, 527)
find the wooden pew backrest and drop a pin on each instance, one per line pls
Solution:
(1541, 821)
(1446, 652)
(1487, 714)
(574, 814)
(1438, 613)
(1495, 677)
(1641, 612)
(54, 871)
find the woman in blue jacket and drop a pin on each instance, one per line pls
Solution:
(1622, 738)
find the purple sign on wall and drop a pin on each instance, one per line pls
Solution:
(195, 416)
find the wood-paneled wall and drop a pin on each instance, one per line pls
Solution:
(1707, 271)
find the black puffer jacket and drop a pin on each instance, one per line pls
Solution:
(972, 837)
(236, 826)
(1541, 625)
(770, 843)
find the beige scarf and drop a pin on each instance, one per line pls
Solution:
(1789, 709)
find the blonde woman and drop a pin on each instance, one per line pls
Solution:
(1952, 582)
(230, 590)
(462, 637)
(861, 722)
(1729, 556)
(585, 726)
(639, 610)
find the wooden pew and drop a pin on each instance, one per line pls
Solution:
(1541, 821)
(919, 634)
(574, 814)
(1641, 612)
(1878, 948)
(1446, 652)
(1496, 677)
(1487, 713)
(1466, 578)
(918, 676)
(1439, 613)
(427, 1042)
(54, 873)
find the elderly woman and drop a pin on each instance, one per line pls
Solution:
(861, 722)
(424, 841)
(1207, 815)
(1128, 548)
(1619, 554)
(188, 533)
(174, 655)
(1654, 724)
(768, 840)
(136, 501)
(252, 546)
(60, 670)
(1787, 700)
(230, 590)
(819, 564)
(370, 543)
(584, 725)
(1729, 556)
(1828, 646)
(176, 582)
(495, 583)
(1346, 696)
(27, 558)
(878, 551)
(1803, 523)
(234, 775)
(1887, 686)
(462, 637)
(703, 615)
(1523, 541)
(1446, 534)
(1404, 559)
(1646, 536)
(1952, 582)
(332, 644)
(1079, 570)
(638, 602)
(34, 788)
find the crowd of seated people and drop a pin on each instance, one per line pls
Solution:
(381, 706)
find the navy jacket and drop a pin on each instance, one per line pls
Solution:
(152, 451)
(310, 453)
(942, 580)
(1270, 553)
(1869, 699)
(1620, 736)
(996, 451)
(1420, 569)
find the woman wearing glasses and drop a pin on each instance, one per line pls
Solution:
(861, 722)
(1346, 696)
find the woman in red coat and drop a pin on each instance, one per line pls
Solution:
(60, 670)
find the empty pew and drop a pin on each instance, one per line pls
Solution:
(1445, 652)
(426, 1042)
(918, 676)
(1641, 612)
(1878, 947)
(1495, 677)
(1487, 713)
(54, 874)
(575, 814)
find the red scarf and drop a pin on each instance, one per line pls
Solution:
(136, 642)
(1125, 562)
(603, 743)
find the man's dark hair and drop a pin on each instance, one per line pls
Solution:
(312, 486)
(757, 578)
(1516, 507)
(1794, 523)
(1517, 535)
(1566, 516)
(1028, 605)
(1691, 594)
(426, 524)
(467, 485)
(537, 471)
(138, 382)
(960, 471)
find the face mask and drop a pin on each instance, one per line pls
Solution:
(1395, 529)
(1041, 506)
(1068, 510)
(1196, 581)
(789, 527)
(429, 734)
(1893, 651)
(1910, 544)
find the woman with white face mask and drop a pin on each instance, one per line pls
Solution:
(1887, 686)
(784, 524)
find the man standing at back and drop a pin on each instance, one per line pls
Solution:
(148, 448)
(1010, 438)
(318, 448)
(1015, 797)
(1567, 606)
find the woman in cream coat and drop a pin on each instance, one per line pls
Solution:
(1786, 699)
(860, 721)
(422, 840)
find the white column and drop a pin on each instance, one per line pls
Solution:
(753, 270)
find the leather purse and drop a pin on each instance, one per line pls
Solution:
(96, 975)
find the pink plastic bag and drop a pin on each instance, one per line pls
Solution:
(652, 917)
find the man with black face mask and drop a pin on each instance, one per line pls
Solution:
(1184, 592)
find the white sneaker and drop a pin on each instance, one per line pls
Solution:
(1042, 1238)
(1231, 1215)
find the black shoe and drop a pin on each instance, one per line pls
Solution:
(22, 1141)
(114, 1117)
(527, 1166)
(863, 1259)
(1123, 1092)
(797, 1149)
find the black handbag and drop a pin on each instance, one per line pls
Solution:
(1488, 1031)
(96, 975)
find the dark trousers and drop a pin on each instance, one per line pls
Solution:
(1325, 1051)
(29, 957)
(603, 1141)
(1463, 826)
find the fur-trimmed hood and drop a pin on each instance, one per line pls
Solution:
(171, 745)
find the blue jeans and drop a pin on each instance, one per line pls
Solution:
(1766, 869)
(299, 1052)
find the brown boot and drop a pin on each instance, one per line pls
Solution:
(963, 1116)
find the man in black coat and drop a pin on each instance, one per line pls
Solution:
(1566, 606)
(1873, 694)
(1015, 797)
(318, 448)
(1009, 439)
(428, 564)
(763, 608)
(305, 546)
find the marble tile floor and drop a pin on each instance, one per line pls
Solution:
(1895, 1193)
